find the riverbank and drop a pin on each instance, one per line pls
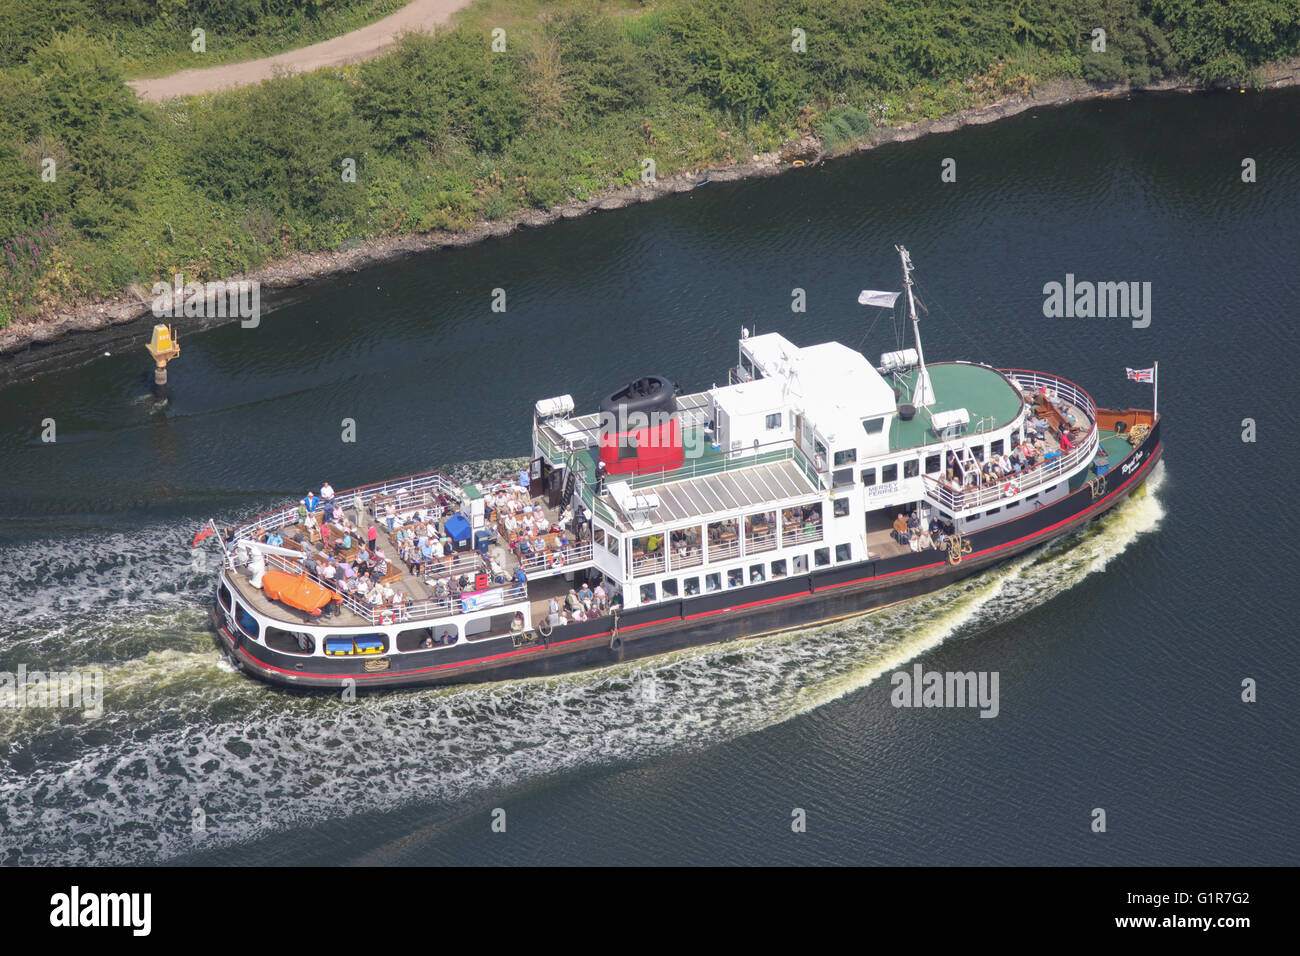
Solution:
(83, 332)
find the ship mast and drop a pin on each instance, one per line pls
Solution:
(923, 393)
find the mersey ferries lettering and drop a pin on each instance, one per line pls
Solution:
(812, 486)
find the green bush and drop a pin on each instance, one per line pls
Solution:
(843, 125)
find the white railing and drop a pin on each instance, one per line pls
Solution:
(430, 608)
(800, 536)
(545, 561)
(1062, 387)
(760, 543)
(1050, 472)
(427, 486)
(721, 551)
(647, 564)
(677, 562)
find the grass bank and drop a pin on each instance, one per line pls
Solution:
(100, 193)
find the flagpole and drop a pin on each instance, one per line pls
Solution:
(1155, 386)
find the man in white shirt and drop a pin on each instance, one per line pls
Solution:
(326, 492)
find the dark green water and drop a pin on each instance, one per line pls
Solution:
(1121, 653)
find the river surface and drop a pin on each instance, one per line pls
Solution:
(1121, 652)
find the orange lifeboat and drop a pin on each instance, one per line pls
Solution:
(297, 591)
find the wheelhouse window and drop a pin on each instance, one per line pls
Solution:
(932, 464)
(911, 468)
(842, 478)
(889, 473)
(845, 456)
(868, 477)
(873, 426)
(841, 507)
(773, 421)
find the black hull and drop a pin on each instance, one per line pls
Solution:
(784, 604)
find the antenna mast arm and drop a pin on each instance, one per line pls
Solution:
(923, 393)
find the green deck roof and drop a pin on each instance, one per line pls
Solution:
(982, 391)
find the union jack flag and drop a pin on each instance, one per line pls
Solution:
(1141, 374)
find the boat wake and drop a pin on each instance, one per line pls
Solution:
(182, 733)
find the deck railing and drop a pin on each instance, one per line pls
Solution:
(428, 485)
(693, 559)
(643, 564)
(794, 536)
(573, 554)
(428, 609)
(1062, 387)
(1050, 472)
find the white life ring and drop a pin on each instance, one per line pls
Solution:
(1010, 489)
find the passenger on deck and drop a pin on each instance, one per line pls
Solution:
(390, 516)
(1066, 441)
(572, 602)
(586, 595)
(274, 539)
(924, 541)
(447, 637)
(900, 529)
(428, 641)
(326, 491)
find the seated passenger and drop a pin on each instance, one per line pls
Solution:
(900, 529)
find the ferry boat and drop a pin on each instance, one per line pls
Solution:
(814, 486)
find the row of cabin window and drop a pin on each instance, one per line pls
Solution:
(736, 576)
(911, 466)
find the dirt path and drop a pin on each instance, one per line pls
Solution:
(360, 44)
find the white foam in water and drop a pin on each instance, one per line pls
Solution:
(284, 761)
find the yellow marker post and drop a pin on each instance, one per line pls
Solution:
(164, 347)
